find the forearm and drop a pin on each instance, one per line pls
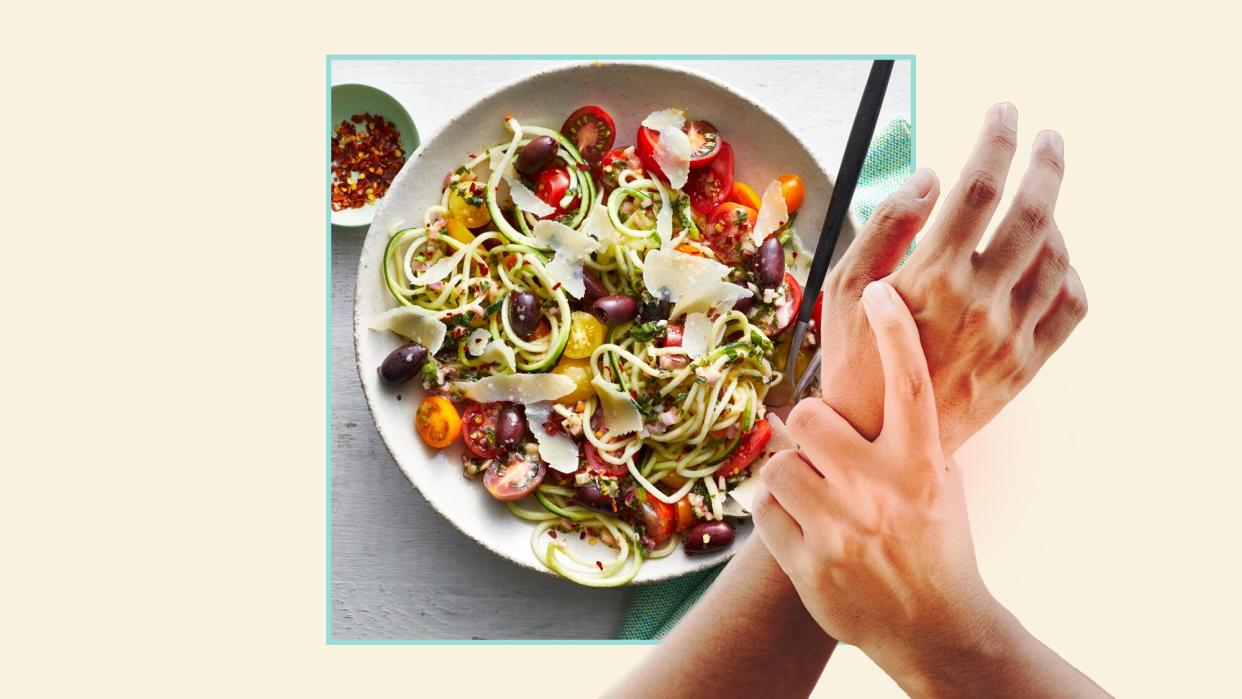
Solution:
(1004, 660)
(749, 636)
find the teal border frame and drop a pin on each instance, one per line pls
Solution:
(329, 58)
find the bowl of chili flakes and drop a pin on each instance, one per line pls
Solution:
(371, 135)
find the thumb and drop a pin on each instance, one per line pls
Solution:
(888, 232)
(909, 405)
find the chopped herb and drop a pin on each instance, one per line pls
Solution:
(649, 331)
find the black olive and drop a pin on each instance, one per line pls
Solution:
(510, 425)
(402, 364)
(536, 155)
(654, 308)
(524, 313)
(615, 310)
(708, 536)
(594, 287)
(770, 264)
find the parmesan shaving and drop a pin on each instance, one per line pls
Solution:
(572, 249)
(772, 213)
(621, 416)
(696, 335)
(664, 219)
(672, 154)
(665, 117)
(498, 352)
(673, 273)
(439, 270)
(413, 323)
(599, 226)
(516, 388)
(521, 195)
(558, 450)
(719, 295)
(476, 342)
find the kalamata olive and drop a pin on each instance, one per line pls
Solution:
(615, 309)
(536, 155)
(590, 497)
(403, 364)
(594, 287)
(523, 313)
(770, 264)
(708, 536)
(510, 425)
(654, 308)
(744, 305)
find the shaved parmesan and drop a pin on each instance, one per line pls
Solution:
(744, 493)
(440, 269)
(413, 323)
(772, 213)
(500, 353)
(664, 219)
(665, 117)
(516, 388)
(696, 335)
(672, 272)
(621, 416)
(572, 248)
(476, 342)
(521, 195)
(672, 154)
(599, 226)
(558, 449)
(710, 294)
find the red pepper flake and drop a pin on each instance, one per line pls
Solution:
(581, 535)
(583, 167)
(398, 396)
(366, 155)
(556, 286)
(599, 565)
(552, 533)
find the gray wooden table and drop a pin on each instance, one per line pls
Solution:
(399, 571)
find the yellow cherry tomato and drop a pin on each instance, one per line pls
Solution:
(793, 191)
(685, 513)
(466, 203)
(458, 231)
(585, 334)
(578, 371)
(437, 422)
(745, 195)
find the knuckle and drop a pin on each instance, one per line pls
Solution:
(976, 317)
(1076, 303)
(803, 420)
(1002, 138)
(1049, 159)
(1033, 213)
(913, 384)
(1056, 260)
(895, 213)
(982, 188)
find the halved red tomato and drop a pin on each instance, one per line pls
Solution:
(672, 336)
(478, 428)
(514, 477)
(614, 162)
(817, 318)
(726, 228)
(659, 519)
(787, 312)
(704, 142)
(753, 444)
(551, 185)
(595, 464)
(711, 186)
(592, 130)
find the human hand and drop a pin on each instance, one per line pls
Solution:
(874, 535)
(988, 320)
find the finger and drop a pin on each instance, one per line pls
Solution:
(1026, 225)
(1042, 281)
(797, 485)
(909, 406)
(1067, 311)
(974, 198)
(887, 234)
(824, 436)
(780, 533)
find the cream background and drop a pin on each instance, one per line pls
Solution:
(163, 494)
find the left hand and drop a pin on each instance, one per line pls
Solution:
(874, 535)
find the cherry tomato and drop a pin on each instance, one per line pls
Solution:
(786, 313)
(479, 429)
(704, 143)
(745, 195)
(685, 514)
(514, 477)
(793, 190)
(752, 445)
(658, 518)
(674, 481)
(466, 203)
(585, 334)
(542, 330)
(672, 336)
(551, 185)
(458, 231)
(592, 130)
(437, 422)
(595, 464)
(726, 228)
(711, 186)
(817, 318)
(614, 162)
(578, 371)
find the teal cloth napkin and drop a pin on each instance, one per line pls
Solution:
(657, 607)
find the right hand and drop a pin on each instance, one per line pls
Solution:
(988, 320)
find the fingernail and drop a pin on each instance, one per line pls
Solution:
(877, 299)
(1052, 139)
(1008, 115)
(920, 183)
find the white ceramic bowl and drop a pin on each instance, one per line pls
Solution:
(764, 147)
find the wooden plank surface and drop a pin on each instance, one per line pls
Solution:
(399, 571)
